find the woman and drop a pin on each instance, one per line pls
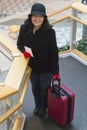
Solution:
(84, 1)
(37, 34)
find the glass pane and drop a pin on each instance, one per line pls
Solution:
(63, 32)
(5, 63)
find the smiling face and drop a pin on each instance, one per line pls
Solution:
(37, 20)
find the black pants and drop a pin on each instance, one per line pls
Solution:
(40, 84)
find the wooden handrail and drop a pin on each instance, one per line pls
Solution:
(18, 123)
(11, 48)
(9, 112)
(17, 106)
(71, 17)
(79, 54)
(6, 91)
(78, 20)
(25, 86)
(79, 7)
(19, 120)
(59, 10)
(76, 52)
(10, 86)
(5, 47)
(60, 19)
(17, 70)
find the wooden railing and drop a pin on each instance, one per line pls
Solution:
(15, 84)
(77, 6)
(20, 102)
(59, 10)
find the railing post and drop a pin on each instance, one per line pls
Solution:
(22, 116)
(4, 125)
(73, 29)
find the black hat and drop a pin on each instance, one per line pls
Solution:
(38, 8)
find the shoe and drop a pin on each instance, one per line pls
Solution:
(42, 112)
(36, 110)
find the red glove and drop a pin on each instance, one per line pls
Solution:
(56, 77)
(26, 54)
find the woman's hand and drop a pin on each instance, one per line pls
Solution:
(56, 77)
(26, 54)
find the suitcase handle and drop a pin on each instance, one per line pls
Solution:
(56, 87)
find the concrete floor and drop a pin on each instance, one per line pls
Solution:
(74, 76)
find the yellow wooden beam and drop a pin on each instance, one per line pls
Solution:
(79, 7)
(9, 112)
(18, 123)
(6, 91)
(17, 106)
(80, 54)
(59, 10)
(16, 72)
(25, 86)
(59, 20)
(78, 20)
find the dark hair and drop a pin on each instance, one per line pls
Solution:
(45, 26)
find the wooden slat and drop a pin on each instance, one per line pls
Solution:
(78, 20)
(16, 72)
(25, 86)
(71, 17)
(80, 7)
(59, 10)
(18, 124)
(80, 54)
(76, 52)
(64, 52)
(59, 20)
(16, 107)
(5, 47)
(6, 91)
(9, 112)
(7, 44)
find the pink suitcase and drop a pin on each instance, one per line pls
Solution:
(61, 104)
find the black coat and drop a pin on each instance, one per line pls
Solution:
(44, 47)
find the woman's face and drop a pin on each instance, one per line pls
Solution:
(37, 20)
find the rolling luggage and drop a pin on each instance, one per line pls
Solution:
(61, 103)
